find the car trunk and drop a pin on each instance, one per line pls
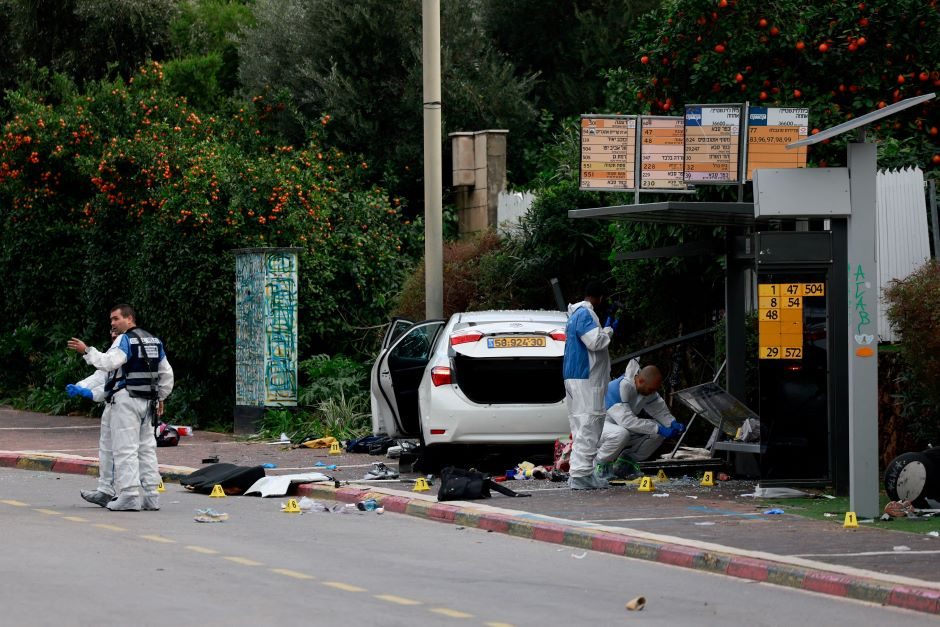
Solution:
(508, 380)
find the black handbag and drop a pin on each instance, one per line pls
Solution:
(459, 484)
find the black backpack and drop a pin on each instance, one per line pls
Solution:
(458, 484)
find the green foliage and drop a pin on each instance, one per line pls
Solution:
(343, 418)
(196, 78)
(914, 311)
(136, 197)
(324, 377)
(86, 39)
(840, 59)
(360, 62)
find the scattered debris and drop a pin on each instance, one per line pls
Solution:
(380, 471)
(579, 557)
(636, 604)
(689, 496)
(211, 460)
(899, 509)
(368, 505)
(900, 548)
(935, 534)
(705, 524)
(777, 493)
(661, 495)
(269, 465)
(774, 511)
(209, 515)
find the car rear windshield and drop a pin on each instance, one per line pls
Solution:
(510, 380)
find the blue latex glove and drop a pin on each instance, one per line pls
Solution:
(607, 322)
(76, 390)
(614, 325)
(666, 432)
(612, 322)
(677, 427)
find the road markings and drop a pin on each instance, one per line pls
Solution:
(109, 527)
(75, 518)
(292, 573)
(15, 503)
(391, 598)
(158, 539)
(244, 561)
(201, 549)
(50, 512)
(343, 586)
(446, 611)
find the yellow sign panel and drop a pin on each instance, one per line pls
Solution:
(780, 318)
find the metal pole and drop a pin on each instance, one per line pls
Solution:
(433, 185)
(863, 332)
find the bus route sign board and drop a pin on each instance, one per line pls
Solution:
(769, 132)
(712, 143)
(662, 152)
(608, 152)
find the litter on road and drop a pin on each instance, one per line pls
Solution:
(209, 515)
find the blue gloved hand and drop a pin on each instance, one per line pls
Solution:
(76, 390)
(665, 432)
(614, 325)
(677, 427)
(608, 321)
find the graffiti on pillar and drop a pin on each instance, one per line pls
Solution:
(863, 340)
(249, 330)
(265, 328)
(280, 295)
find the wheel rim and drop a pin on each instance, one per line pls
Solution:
(911, 481)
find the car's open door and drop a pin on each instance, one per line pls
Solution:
(396, 377)
(396, 327)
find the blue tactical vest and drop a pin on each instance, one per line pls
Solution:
(139, 374)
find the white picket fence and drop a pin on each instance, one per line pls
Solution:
(903, 235)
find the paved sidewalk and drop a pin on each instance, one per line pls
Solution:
(717, 530)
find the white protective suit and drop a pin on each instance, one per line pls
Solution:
(132, 439)
(586, 372)
(95, 383)
(625, 433)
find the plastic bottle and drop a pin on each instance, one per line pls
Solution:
(369, 505)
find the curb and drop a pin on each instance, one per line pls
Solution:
(909, 597)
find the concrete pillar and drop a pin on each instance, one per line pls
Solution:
(479, 165)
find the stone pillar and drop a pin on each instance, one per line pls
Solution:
(265, 333)
(479, 163)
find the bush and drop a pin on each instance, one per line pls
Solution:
(914, 310)
(124, 193)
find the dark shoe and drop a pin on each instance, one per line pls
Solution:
(97, 497)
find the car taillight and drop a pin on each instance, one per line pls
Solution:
(558, 336)
(440, 375)
(463, 338)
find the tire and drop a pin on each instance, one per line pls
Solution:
(911, 477)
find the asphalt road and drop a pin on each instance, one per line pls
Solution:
(63, 561)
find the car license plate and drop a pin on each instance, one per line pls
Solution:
(515, 342)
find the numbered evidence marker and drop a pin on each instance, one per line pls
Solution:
(662, 152)
(712, 134)
(769, 130)
(780, 318)
(608, 152)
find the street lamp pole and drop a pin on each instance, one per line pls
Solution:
(433, 187)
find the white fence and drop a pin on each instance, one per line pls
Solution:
(512, 206)
(903, 240)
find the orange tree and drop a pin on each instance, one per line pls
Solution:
(123, 192)
(839, 58)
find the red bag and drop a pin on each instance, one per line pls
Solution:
(562, 454)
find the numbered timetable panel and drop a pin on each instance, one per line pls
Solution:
(662, 152)
(769, 131)
(780, 317)
(608, 152)
(712, 135)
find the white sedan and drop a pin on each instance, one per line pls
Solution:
(483, 377)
